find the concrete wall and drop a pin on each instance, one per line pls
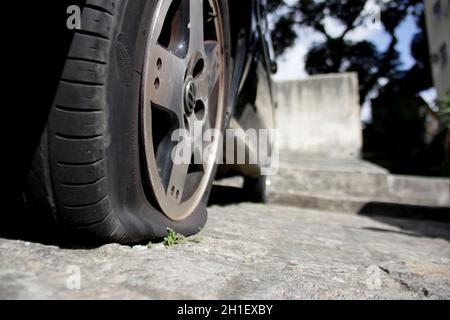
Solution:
(438, 27)
(320, 116)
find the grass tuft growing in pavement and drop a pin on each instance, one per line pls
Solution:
(173, 238)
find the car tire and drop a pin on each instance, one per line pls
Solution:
(257, 189)
(90, 168)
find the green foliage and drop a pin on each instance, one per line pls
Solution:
(339, 54)
(444, 110)
(173, 238)
(284, 36)
(396, 137)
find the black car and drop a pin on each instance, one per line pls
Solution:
(111, 86)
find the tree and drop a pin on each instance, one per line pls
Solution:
(341, 54)
(396, 137)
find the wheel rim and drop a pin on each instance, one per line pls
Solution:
(183, 88)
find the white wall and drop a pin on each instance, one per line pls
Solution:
(320, 116)
(438, 27)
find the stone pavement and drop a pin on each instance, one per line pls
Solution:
(247, 251)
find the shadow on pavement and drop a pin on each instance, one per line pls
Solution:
(417, 221)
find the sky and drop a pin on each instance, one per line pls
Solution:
(291, 65)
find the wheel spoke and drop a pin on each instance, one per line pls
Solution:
(202, 88)
(159, 22)
(196, 35)
(177, 182)
(180, 169)
(208, 79)
(166, 82)
(207, 144)
(212, 62)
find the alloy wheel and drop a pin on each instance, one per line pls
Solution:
(182, 97)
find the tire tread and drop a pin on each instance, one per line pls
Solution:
(76, 133)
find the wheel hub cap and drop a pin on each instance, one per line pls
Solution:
(190, 96)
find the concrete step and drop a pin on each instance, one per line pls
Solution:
(419, 190)
(331, 176)
(362, 205)
(356, 186)
(352, 186)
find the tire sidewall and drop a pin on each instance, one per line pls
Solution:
(137, 214)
